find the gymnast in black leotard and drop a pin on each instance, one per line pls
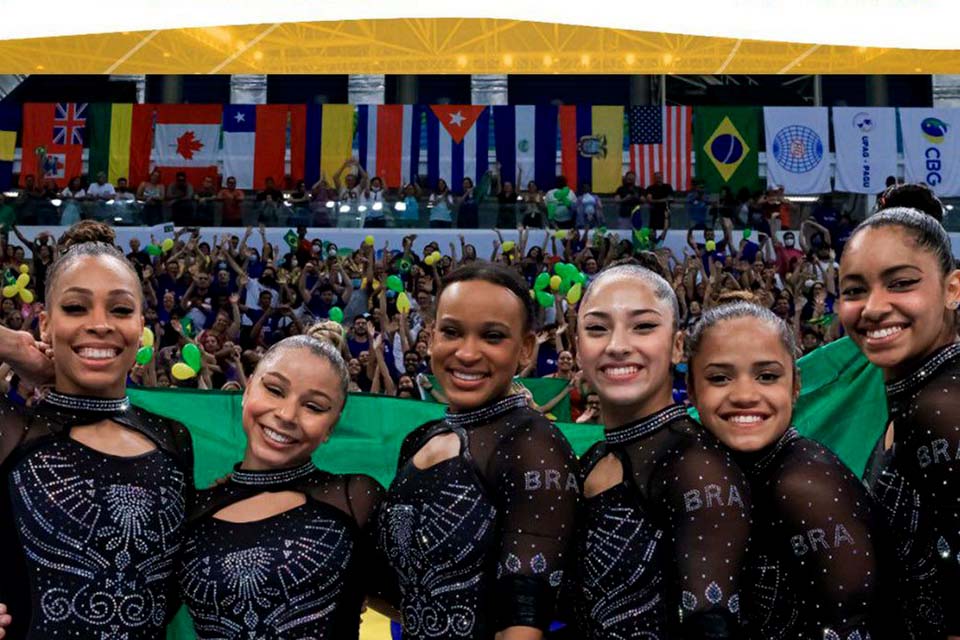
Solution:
(278, 551)
(93, 491)
(662, 538)
(817, 558)
(899, 293)
(478, 521)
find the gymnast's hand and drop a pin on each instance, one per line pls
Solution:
(31, 359)
(5, 620)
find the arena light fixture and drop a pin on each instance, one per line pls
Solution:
(11, 194)
(331, 204)
(362, 208)
(344, 208)
(377, 206)
(400, 206)
(56, 202)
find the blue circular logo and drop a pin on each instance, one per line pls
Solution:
(797, 148)
(726, 148)
(934, 129)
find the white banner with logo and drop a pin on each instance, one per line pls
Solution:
(798, 149)
(931, 148)
(866, 148)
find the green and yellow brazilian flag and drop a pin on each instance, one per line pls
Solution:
(727, 144)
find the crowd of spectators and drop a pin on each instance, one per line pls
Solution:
(237, 295)
(351, 194)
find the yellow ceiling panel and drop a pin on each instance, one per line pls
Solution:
(447, 46)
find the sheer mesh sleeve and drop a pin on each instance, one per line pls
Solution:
(363, 496)
(534, 478)
(13, 427)
(824, 522)
(705, 500)
(927, 436)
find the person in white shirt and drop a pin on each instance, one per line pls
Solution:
(101, 189)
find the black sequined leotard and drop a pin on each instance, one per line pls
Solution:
(90, 540)
(659, 555)
(478, 542)
(298, 575)
(920, 489)
(817, 559)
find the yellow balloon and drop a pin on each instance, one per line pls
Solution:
(561, 234)
(167, 244)
(26, 295)
(430, 260)
(573, 296)
(181, 371)
(10, 290)
(24, 268)
(555, 282)
(376, 285)
(403, 303)
(147, 337)
(23, 280)
(508, 246)
(368, 241)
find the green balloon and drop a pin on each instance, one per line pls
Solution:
(545, 298)
(581, 277)
(394, 283)
(154, 250)
(542, 282)
(336, 314)
(645, 232)
(559, 267)
(747, 232)
(191, 356)
(564, 287)
(144, 354)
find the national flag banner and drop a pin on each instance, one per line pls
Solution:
(69, 122)
(40, 156)
(661, 140)
(931, 148)
(62, 162)
(187, 138)
(255, 143)
(457, 144)
(591, 146)
(388, 142)
(865, 139)
(526, 143)
(119, 137)
(321, 139)
(10, 117)
(726, 141)
(797, 148)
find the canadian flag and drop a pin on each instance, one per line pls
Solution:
(187, 138)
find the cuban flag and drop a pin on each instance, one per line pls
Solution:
(457, 144)
(526, 139)
(69, 121)
(388, 142)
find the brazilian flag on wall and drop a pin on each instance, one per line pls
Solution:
(727, 143)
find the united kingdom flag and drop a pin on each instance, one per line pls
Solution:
(69, 122)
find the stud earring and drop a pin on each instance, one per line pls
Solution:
(955, 304)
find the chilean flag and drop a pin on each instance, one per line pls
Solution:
(388, 138)
(254, 143)
(458, 138)
(187, 138)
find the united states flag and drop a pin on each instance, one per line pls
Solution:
(661, 139)
(69, 121)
